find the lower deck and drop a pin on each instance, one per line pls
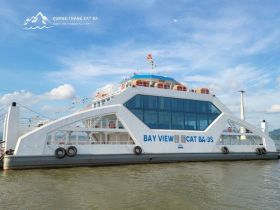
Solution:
(26, 162)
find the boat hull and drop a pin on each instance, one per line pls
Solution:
(28, 162)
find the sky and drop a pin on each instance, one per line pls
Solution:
(224, 45)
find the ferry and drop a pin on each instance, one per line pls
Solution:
(148, 119)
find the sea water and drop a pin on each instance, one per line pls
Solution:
(191, 185)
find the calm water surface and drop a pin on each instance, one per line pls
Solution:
(207, 185)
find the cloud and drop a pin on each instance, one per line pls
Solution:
(18, 96)
(262, 44)
(62, 92)
(109, 88)
(56, 109)
(232, 79)
(96, 62)
(275, 108)
(84, 72)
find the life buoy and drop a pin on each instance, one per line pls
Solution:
(259, 151)
(225, 150)
(137, 150)
(71, 151)
(263, 150)
(60, 153)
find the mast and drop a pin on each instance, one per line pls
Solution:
(152, 63)
(11, 126)
(242, 109)
(242, 114)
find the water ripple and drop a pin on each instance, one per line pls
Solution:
(208, 185)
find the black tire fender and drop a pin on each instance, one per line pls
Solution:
(263, 150)
(60, 153)
(71, 151)
(259, 151)
(225, 150)
(137, 150)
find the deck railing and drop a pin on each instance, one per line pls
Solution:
(240, 140)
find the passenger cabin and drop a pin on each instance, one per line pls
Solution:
(146, 80)
(156, 81)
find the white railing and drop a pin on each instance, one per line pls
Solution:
(104, 123)
(238, 134)
(117, 139)
(106, 98)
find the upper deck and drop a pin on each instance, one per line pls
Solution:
(145, 80)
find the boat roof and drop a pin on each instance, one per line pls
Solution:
(152, 76)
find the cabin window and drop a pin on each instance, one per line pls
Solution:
(202, 122)
(202, 106)
(164, 103)
(150, 102)
(135, 102)
(190, 121)
(177, 104)
(214, 110)
(150, 118)
(173, 113)
(190, 106)
(178, 120)
(164, 120)
(138, 113)
(212, 117)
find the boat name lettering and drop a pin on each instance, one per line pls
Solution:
(200, 139)
(184, 139)
(160, 138)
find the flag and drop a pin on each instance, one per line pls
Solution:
(151, 60)
(149, 57)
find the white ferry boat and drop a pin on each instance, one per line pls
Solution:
(149, 119)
